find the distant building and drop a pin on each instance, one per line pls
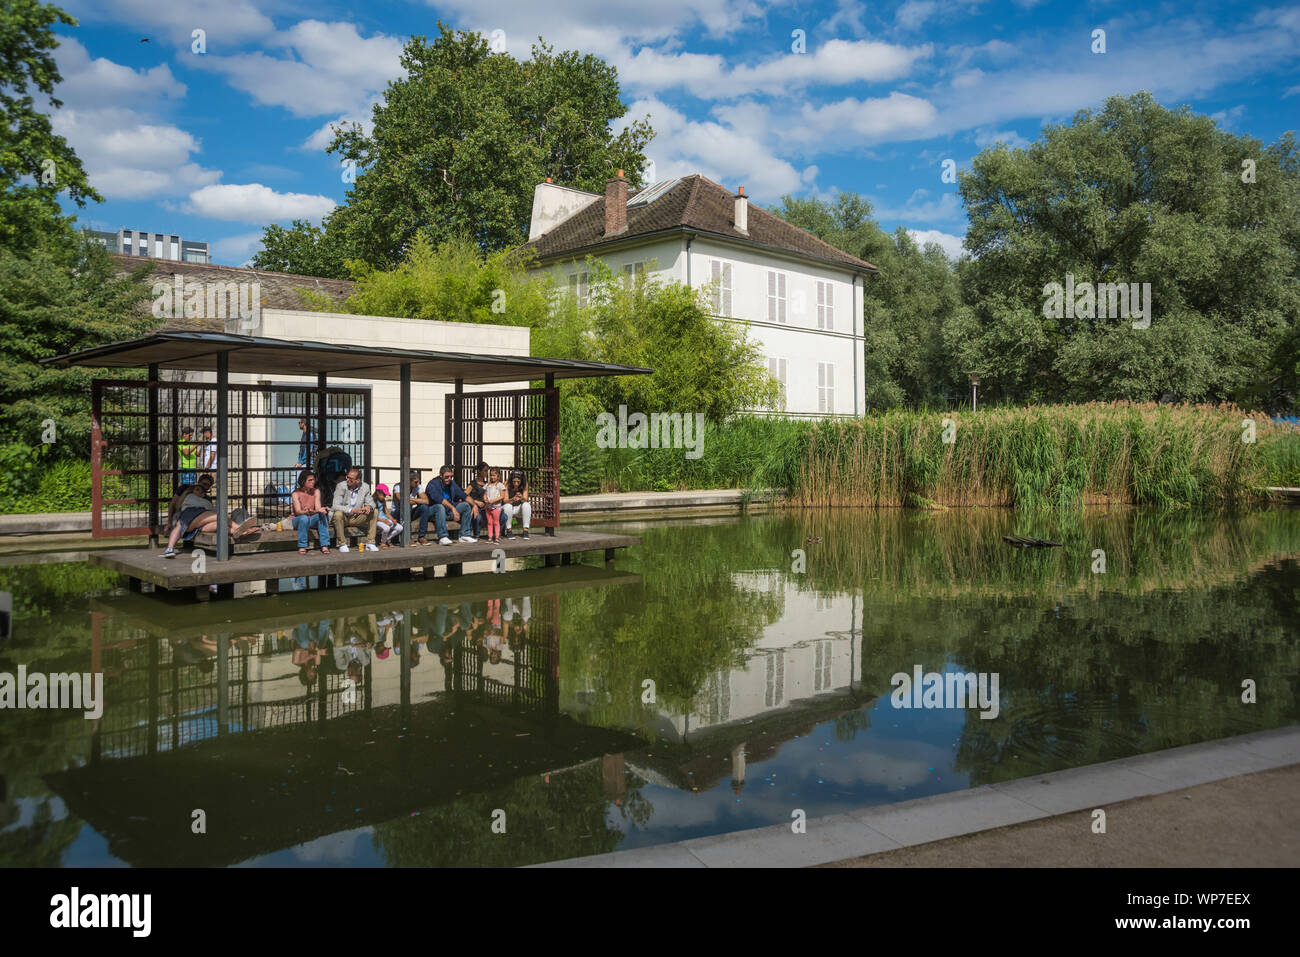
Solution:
(133, 242)
(799, 298)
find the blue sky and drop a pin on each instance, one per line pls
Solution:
(215, 145)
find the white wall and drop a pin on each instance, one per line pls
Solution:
(663, 261)
(428, 413)
(553, 204)
(798, 340)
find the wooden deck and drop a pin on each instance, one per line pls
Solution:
(148, 565)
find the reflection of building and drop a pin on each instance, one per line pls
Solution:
(809, 653)
(802, 672)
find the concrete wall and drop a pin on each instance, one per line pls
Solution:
(427, 408)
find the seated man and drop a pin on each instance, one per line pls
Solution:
(445, 498)
(474, 495)
(352, 507)
(420, 510)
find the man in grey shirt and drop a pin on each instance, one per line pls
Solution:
(352, 507)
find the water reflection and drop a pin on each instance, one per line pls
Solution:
(712, 685)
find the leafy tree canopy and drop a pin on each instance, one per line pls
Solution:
(1135, 193)
(458, 146)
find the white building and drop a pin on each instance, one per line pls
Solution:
(800, 298)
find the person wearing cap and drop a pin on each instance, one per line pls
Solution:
(389, 526)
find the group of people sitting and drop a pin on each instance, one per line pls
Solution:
(489, 505)
(486, 632)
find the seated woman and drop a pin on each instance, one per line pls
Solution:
(191, 513)
(308, 512)
(516, 503)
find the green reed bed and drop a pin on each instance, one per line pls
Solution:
(1036, 457)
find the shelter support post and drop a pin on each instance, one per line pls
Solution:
(153, 454)
(553, 439)
(405, 440)
(223, 456)
(321, 402)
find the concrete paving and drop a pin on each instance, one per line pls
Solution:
(1053, 807)
(1251, 820)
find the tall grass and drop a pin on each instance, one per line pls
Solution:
(1037, 457)
(1057, 457)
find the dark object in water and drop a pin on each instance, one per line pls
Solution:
(1019, 542)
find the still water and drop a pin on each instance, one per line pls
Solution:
(726, 673)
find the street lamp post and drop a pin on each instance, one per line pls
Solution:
(974, 387)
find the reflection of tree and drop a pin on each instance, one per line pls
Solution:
(687, 619)
(545, 820)
(1103, 676)
(47, 598)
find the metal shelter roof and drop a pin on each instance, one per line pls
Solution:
(197, 352)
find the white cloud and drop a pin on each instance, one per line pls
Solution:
(914, 13)
(227, 22)
(329, 68)
(718, 150)
(987, 137)
(597, 26)
(845, 125)
(255, 203)
(112, 118)
(951, 244)
(1227, 119)
(835, 62)
(921, 208)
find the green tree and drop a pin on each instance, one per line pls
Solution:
(701, 365)
(35, 164)
(458, 146)
(1135, 193)
(299, 249)
(58, 292)
(56, 299)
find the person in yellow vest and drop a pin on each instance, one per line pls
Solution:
(187, 456)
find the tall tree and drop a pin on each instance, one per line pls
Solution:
(1135, 193)
(58, 291)
(457, 147)
(35, 164)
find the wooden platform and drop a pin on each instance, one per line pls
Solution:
(148, 565)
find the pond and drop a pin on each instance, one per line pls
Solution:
(727, 673)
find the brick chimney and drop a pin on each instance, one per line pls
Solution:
(616, 205)
(742, 212)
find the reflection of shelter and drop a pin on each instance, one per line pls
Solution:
(171, 736)
(139, 422)
(171, 679)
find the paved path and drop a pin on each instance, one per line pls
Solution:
(1061, 805)
(1252, 820)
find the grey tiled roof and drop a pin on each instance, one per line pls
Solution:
(279, 289)
(697, 204)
